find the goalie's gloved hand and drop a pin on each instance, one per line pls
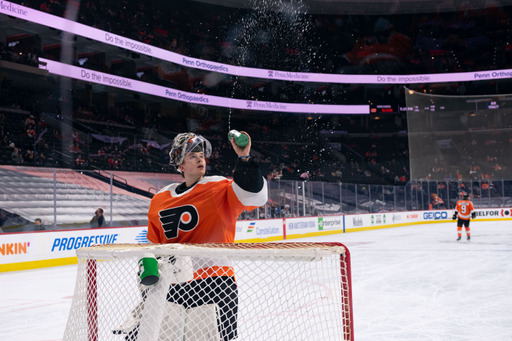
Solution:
(454, 216)
(473, 215)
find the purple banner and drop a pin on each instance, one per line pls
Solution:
(62, 24)
(97, 77)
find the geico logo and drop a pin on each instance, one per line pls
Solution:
(435, 215)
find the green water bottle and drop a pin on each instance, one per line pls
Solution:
(241, 140)
(148, 270)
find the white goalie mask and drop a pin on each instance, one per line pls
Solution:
(185, 143)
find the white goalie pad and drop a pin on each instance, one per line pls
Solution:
(193, 324)
(173, 322)
(157, 309)
(176, 322)
(201, 323)
(155, 304)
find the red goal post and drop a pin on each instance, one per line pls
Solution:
(279, 291)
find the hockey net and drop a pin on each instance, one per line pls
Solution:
(261, 291)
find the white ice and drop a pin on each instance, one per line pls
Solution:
(409, 283)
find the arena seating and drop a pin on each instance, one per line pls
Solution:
(29, 194)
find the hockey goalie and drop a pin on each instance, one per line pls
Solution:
(202, 209)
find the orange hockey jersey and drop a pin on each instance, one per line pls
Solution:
(464, 209)
(205, 213)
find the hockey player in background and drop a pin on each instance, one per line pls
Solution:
(464, 211)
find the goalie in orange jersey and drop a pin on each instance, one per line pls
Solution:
(203, 297)
(464, 211)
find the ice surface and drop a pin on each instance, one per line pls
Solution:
(410, 283)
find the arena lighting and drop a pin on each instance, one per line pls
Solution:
(106, 79)
(48, 20)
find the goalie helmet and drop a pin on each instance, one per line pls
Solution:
(185, 143)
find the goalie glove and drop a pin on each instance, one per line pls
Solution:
(455, 215)
(473, 215)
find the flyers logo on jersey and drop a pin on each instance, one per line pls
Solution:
(184, 218)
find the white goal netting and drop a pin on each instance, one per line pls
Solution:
(270, 291)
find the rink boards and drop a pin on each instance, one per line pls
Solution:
(31, 250)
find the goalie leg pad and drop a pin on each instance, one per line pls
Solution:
(221, 291)
(201, 323)
(173, 322)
